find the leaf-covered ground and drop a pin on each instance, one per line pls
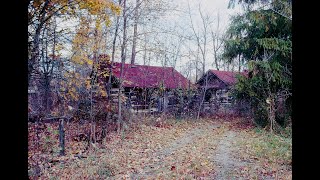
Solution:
(184, 149)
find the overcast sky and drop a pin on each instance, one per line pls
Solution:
(211, 8)
(180, 18)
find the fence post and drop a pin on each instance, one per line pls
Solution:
(61, 137)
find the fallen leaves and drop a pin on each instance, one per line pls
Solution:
(183, 151)
(264, 154)
(173, 168)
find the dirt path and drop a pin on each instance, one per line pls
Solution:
(224, 158)
(187, 138)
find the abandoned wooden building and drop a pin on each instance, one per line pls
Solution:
(148, 87)
(216, 86)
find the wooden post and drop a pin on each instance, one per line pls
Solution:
(61, 137)
(189, 99)
(165, 101)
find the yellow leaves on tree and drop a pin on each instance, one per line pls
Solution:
(89, 61)
(98, 24)
(103, 93)
(88, 39)
(96, 7)
(115, 8)
(70, 86)
(81, 42)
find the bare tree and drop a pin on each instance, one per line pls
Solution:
(123, 60)
(217, 42)
(135, 32)
(201, 39)
(113, 54)
(36, 39)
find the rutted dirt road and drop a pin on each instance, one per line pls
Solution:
(225, 159)
(222, 157)
(186, 140)
(204, 149)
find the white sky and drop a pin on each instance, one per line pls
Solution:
(212, 7)
(180, 21)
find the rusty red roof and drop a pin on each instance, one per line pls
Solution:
(228, 77)
(150, 76)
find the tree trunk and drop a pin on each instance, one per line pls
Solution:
(197, 58)
(215, 41)
(46, 93)
(123, 60)
(239, 63)
(272, 113)
(36, 41)
(145, 50)
(112, 56)
(203, 96)
(135, 32)
(216, 59)
(189, 98)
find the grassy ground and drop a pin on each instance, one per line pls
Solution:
(183, 149)
(268, 154)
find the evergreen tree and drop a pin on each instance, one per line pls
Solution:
(261, 38)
